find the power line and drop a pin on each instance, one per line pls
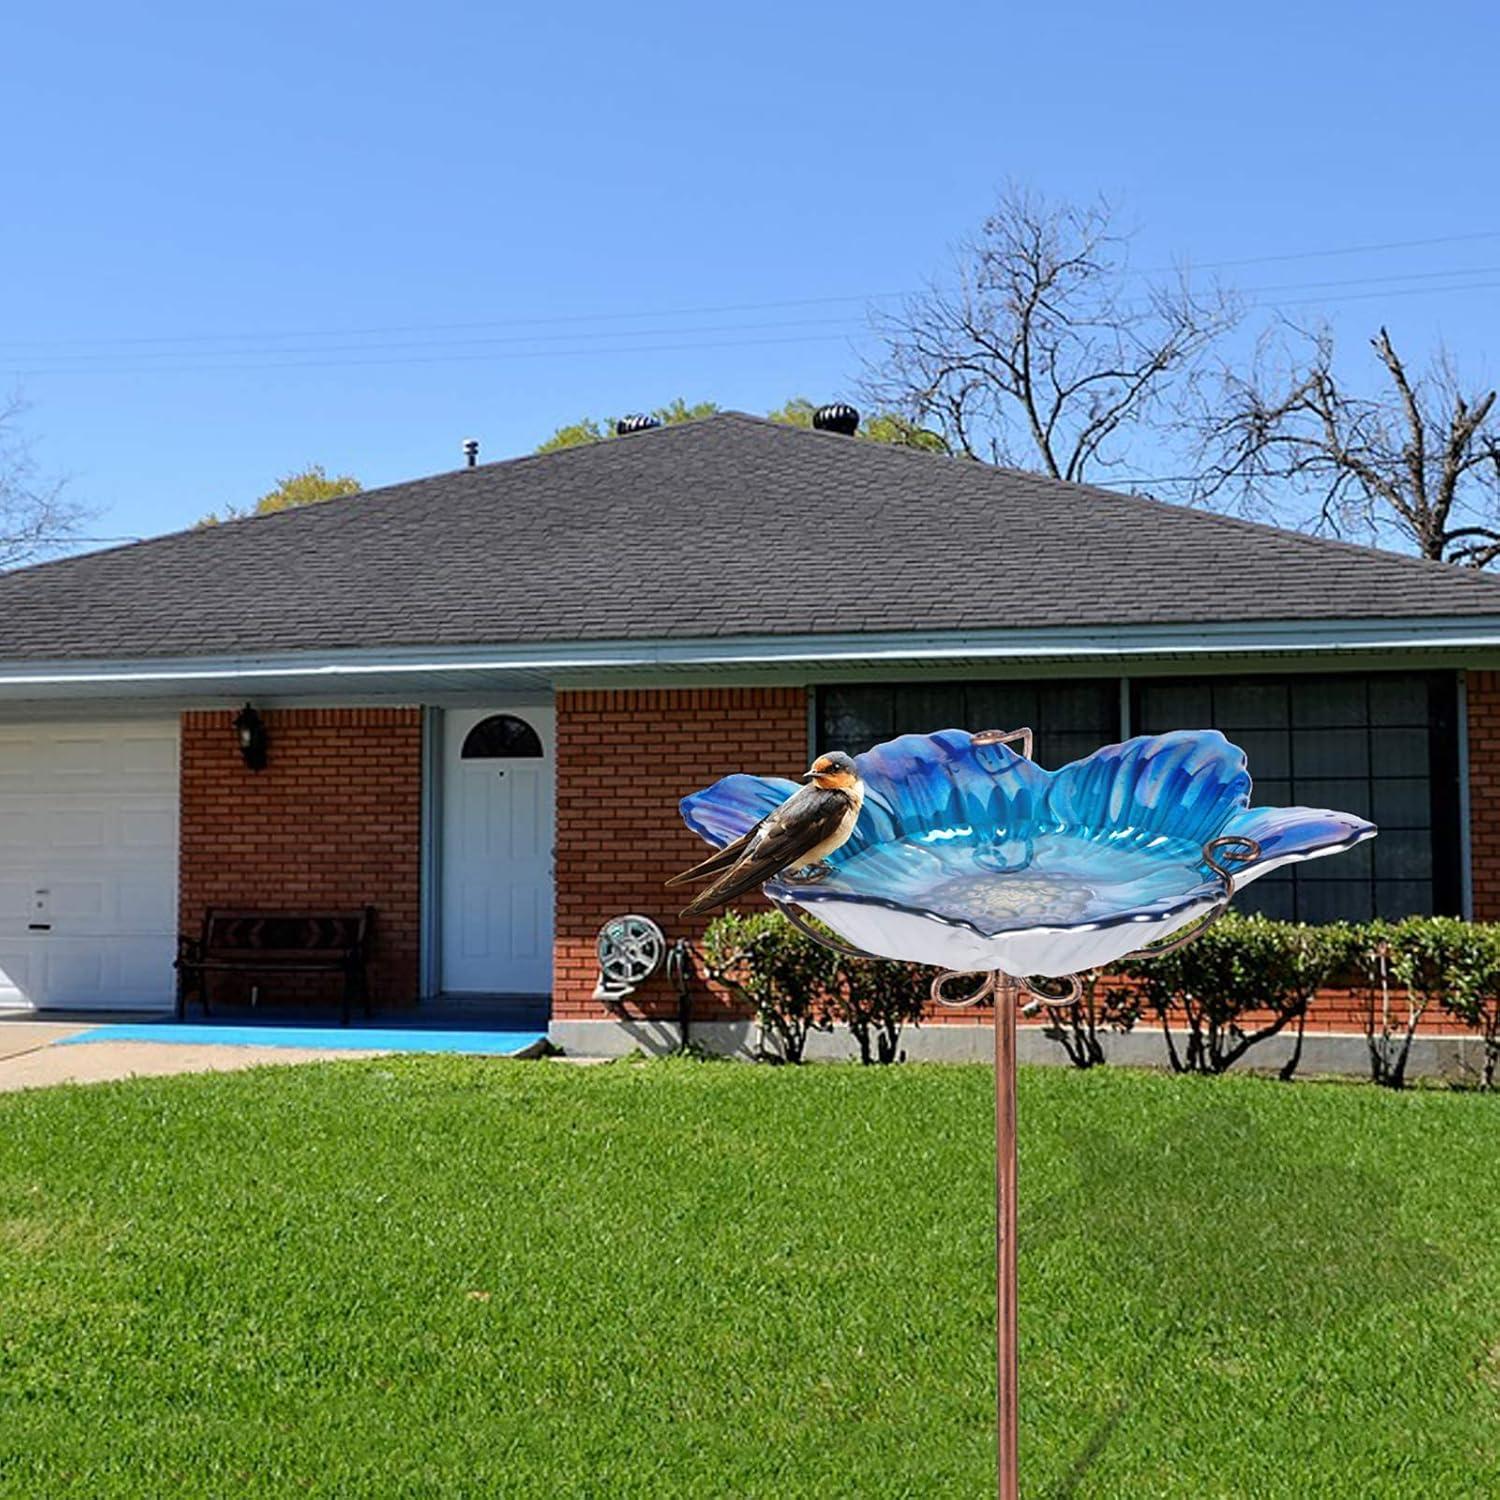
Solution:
(316, 364)
(514, 338)
(271, 363)
(1262, 260)
(712, 309)
(842, 322)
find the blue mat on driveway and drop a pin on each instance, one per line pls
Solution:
(342, 1038)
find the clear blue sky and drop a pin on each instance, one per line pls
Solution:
(206, 209)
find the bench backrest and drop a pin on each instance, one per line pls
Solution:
(285, 934)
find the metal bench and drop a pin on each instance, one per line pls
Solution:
(276, 942)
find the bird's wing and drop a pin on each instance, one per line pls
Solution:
(801, 823)
(720, 859)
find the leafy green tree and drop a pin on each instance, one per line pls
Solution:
(881, 427)
(593, 429)
(309, 486)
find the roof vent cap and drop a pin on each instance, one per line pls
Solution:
(636, 422)
(471, 451)
(837, 416)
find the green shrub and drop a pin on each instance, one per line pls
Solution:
(789, 980)
(798, 986)
(878, 1000)
(1241, 965)
(1101, 1006)
(1437, 961)
(1238, 968)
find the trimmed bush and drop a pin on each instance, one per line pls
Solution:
(788, 979)
(1102, 1006)
(878, 1000)
(1242, 982)
(1437, 961)
(1241, 965)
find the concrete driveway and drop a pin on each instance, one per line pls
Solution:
(31, 1057)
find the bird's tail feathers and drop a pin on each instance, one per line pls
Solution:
(720, 859)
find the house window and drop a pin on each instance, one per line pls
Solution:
(1381, 745)
(501, 737)
(1071, 719)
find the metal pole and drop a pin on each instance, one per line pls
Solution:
(1006, 992)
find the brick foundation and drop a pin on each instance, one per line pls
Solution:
(624, 760)
(333, 821)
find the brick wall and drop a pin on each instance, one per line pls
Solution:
(333, 821)
(615, 848)
(1484, 792)
(624, 760)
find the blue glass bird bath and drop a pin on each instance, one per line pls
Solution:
(969, 856)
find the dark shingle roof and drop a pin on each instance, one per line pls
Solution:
(729, 526)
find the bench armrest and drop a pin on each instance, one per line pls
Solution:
(189, 951)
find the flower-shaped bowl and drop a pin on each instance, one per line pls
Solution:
(969, 856)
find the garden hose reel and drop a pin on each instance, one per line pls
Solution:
(630, 950)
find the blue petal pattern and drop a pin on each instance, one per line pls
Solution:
(1288, 833)
(1186, 783)
(733, 805)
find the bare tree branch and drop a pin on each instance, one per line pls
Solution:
(1416, 465)
(34, 516)
(1039, 355)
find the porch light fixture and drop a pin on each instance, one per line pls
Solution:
(250, 732)
(1012, 880)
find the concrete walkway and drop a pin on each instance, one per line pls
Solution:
(30, 1057)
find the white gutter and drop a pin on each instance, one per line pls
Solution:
(1209, 639)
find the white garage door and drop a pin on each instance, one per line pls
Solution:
(88, 864)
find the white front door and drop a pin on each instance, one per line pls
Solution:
(496, 912)
(88, 864)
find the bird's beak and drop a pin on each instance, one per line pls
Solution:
(808, 776)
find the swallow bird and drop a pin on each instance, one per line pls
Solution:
(814, 821)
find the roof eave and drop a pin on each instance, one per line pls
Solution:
(538, 665)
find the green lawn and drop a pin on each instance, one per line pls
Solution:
(460, 1277)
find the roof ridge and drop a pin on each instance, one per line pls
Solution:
(1433, 566)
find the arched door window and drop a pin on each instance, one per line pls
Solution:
(501, 737)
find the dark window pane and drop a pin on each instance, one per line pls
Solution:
(1403, 855)
(1399, 752)
(1271, 896)
(1334, 901)
(1268, 751)
(501, 737)
(923, 708)
(1402, 804)
(854, 718)
(1251, 704)
(1174, 705)
(1270, 793)
(1341, 796)
(1328, 702)
(1403, 898)
(1082, 707)
(1398, 700)
(1332, 752)
(1000, 705)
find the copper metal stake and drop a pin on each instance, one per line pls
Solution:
(1006, 994)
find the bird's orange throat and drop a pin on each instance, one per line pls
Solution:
(840, 781)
